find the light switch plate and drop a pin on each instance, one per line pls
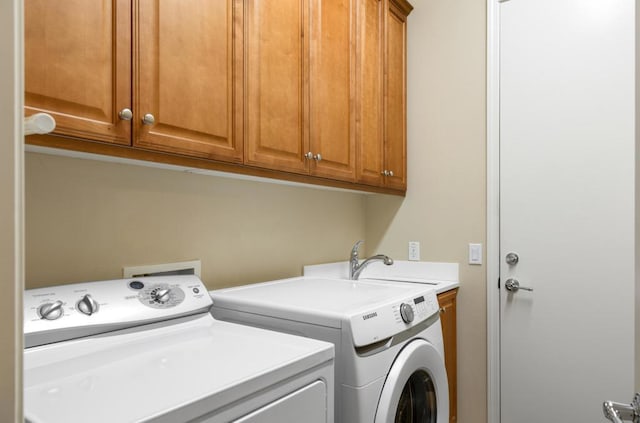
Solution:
(475, 253)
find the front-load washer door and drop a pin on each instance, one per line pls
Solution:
(416, 388)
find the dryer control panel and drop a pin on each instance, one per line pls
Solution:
(71, 311)
(385, 321)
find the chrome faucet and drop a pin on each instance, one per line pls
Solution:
(355, 267)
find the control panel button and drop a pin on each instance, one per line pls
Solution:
(136, 285)
(406, 312)
(87, 305)
(50, 311)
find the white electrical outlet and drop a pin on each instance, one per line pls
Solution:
(188, 267)
(475, 253)
(414, 250)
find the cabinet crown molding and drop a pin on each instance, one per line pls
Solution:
(403, 5)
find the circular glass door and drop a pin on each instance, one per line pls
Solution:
(416, 389)
(417, 403)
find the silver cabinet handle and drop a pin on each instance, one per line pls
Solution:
(385, 173)
(390, 173)
(148, 119)
(513, 285)
(125, 114)
(308, 155)
(317, 157)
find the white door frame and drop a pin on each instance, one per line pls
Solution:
(493, 211)
(11, 203)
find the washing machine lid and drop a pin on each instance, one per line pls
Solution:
(370, 309)
(172, 372)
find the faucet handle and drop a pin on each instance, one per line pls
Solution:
(356, 246)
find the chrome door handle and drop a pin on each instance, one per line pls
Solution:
(308, 155)
(512, 259)
(317, 157)
(513, 285)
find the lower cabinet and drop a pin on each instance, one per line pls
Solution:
(447, 301)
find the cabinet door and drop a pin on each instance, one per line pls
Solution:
(188, 76)
(78, 66)
(332, 88)
(276, 56)
(396, 97)
(369, 104)
(447, 301)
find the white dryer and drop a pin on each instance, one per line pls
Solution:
(388, 340)
(147, 350)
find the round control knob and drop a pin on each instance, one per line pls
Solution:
(161, 295)
(406, 312)
(51, 311)
(87, 305)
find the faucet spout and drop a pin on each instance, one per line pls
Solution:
(355, 267)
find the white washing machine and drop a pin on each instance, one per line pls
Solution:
(388, 341)
(148, 350)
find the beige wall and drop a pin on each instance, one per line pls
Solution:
(11, 265)
(86, 219)
(445, 207)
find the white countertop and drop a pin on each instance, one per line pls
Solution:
(442, 276)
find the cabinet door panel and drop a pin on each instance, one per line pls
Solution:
(78, 66)
(332, 88)
(188, 77)
(447, 301)
(396, 95)
(275, 53)
(369, 135)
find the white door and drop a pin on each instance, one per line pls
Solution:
(566, 207)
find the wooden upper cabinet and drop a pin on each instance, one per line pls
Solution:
(381, 68)
(78, 66)
(369, 105)
(332, 88)
(306, 90)
(299, 87)
(396, 94)
(188, 77)
(275, 89)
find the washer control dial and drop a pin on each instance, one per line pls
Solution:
(87, 305)
(406, 312)
(51, 311)
(161, 295)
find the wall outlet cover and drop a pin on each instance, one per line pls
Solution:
(414, 251)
